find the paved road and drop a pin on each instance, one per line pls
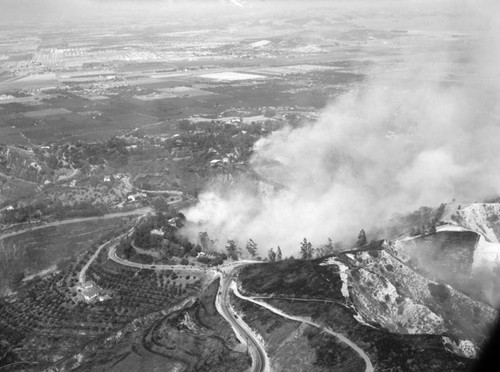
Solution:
(114, 257)
(140, 211)
(356, 348)
(260, 360)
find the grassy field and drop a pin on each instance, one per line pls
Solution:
(34, 251)
(296, 278)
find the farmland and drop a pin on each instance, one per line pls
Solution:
(90, 88)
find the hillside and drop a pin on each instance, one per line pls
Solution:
(399, 316)
(462, 250)
(482, 218)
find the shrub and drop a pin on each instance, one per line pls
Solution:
(439, 291)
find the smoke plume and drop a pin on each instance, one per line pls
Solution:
(421, 134)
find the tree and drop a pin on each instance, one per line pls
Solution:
(361, 239)
(269, 113)
(251, 247)
(16, 278)
(272, 255)
(184, 125)
(306, 250)
(279, 256)
(205, 241)
(161, 220)
(433, 229)
(232, 249)
(329, 248)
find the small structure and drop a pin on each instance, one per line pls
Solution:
(157, 232)
(91, 292)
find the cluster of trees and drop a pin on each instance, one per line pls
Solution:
(81, 154)
(50, 306)
(167, 240)
(422, 221)
(198, 137)
(307, 251)
(35, 211)
(275, 256)
(233, 251)
(206, 243)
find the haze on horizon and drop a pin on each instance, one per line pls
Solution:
(419, 132)
(342, 173)
(134, 11)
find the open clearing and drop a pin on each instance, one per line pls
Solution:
(46, 112)
(231, 76)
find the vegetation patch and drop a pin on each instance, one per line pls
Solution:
(299, 278)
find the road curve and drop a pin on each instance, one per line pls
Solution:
(114, 257)
(356, 348)
(81, 276)
(260, 360)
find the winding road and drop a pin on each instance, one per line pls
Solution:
(256, 348)
(356, 348)
(81, 276)
(114, 257)
(260, 359)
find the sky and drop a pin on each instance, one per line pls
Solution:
(46, 10)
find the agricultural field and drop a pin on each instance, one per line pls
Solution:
(52, 306)
(92, 88)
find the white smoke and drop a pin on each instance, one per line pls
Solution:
(237, 3)
(390, 145)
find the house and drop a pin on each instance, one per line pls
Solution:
(157, 232)
(89, 291)
(135, 197)
(214, 162)
(36, 166)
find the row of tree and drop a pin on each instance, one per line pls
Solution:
(307, 251)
